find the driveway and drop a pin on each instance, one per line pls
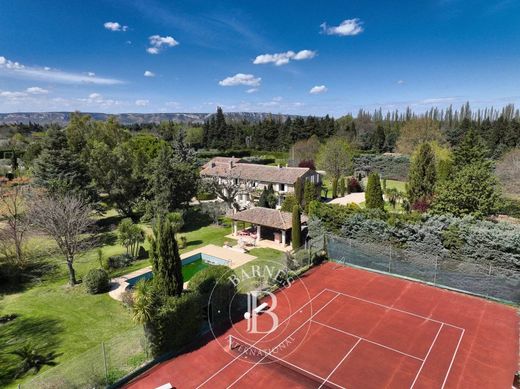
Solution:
(356, 198)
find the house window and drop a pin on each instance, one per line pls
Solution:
(282, 187)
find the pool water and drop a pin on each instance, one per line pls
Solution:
(188, 271)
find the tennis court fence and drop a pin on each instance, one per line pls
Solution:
(99, 366)
(482, 279)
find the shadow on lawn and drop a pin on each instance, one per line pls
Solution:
(194, 220)
(14, 279)
(38, 333)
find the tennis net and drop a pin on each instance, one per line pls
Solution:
(266, 358)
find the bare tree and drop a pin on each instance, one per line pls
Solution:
(227, 188)
(13, 225)
(65, 219)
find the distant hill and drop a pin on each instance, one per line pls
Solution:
(62, 118)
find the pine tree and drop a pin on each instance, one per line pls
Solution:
(374, 194)
(296, 228)
(58, 169)
(166, 261)
(422, 177)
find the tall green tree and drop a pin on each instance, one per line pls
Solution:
(374, 193)
(172, 184)
(473, 187)
(58, 169)
(268, 198)
(296, 230)
(298, 191)
(422, 176)
(166, 261)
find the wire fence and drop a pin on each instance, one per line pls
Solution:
(483, 279)
(98, 367)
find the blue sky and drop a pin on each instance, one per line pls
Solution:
(301, 57)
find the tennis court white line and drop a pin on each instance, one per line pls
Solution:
(293, 365)
(340, 362)
(366, 340)
(238, 356)
(292, 333)
(395, 309)
(453, 358)
(427, 354)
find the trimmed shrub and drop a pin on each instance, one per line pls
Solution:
(177, 323)
(119, 261)
(96, 281)
(374, 193)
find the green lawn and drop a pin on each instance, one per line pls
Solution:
(399, 185)
(68, 321)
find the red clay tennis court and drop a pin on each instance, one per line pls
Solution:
(340, 327)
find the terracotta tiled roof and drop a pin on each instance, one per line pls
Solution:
(251, 171)
(267, 217)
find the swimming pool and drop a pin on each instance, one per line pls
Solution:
(190, 266)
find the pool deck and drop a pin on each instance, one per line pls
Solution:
(119, 285)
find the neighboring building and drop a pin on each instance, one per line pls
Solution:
(253, 178)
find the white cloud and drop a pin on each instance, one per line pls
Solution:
(16, 70)
(438, 100)
(401, 82)
(252, 90)
(278, 98)
(158, 42)
(142, 102)
(349, 27)
(148, 73)
(284, 58)
(115, 26)
(35, 90)
(12, 95)
(91, 74)
(241, 79)
(318, 89)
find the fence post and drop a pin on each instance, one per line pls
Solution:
(435, 272)
(105, 361)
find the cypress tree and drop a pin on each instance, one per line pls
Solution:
(166, 261)
(296, 228)
(342, 188)
(309, 194)
(422, 177)
(298, 191)
(374, 194)
(334, 188)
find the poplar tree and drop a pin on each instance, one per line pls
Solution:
(422, 177)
